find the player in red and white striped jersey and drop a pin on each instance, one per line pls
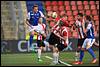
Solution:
(59, 37)
(79, 27)
(40, 29)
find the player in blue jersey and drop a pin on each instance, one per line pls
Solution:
(88, 42)
(32, 20)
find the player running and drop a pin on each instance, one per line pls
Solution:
(88, 42)
(79, 26)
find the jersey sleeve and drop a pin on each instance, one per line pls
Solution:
(89, 26)
(42, 15)
(28, 16)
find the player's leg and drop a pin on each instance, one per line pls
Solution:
(77, 54)
(31, 30)
(39, 44)
(53, 40)
(81, 53)
(89, 49)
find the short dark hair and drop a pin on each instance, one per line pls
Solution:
(80, 14)
(88, 18)
(35, 5)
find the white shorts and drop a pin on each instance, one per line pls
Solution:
(37, 29)
(31, 28)
(88, 40)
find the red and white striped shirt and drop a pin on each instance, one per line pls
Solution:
(41, 28)
(64, 33)
(80, 29)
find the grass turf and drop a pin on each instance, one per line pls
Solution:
(30, 59)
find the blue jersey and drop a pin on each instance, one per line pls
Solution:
(90, 31)
(34, 17)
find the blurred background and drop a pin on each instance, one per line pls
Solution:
(14, 13)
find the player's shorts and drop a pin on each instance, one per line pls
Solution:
(36, 29)
(31, 28)
(80, 42)
(53, 39)
(40, 43)
(61, 46)
(88, 40)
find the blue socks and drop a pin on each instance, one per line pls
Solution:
(31, 40)
(92, 53)
(81, 55)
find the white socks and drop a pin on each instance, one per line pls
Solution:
(77, 56)
(55, 57)
(39, 53)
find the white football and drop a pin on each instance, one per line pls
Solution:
(54, 15)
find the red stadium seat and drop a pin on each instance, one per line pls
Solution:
(79, 2)
(67, 7)
(48, 8)
(61, 8)
(93, 7)
(91, 2)
(97, 2)
(96, 17)
(60, 3)
(62, 13)
(69, 13)
(70, 18)
(71, 22)
(85, 2)
(54, 3)
(73, 2)
(52, 24)
(74, 8)
(55, 8)
(82, 11)
(86, 7)
(75, 17)
(49, 13)
(97, 22)
(80, 7)
(94, 12)
(75, 12)
(66, 3)
(88, 12)
(48, 3)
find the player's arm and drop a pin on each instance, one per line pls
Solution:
(88, 27)
(27, 20)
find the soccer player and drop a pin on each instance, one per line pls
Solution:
(79, 26)
(40, 29)
(32, 21)
(89, 31)
(58, 39)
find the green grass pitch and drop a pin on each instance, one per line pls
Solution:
(30, 59)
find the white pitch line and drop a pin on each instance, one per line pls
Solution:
(59, 60)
